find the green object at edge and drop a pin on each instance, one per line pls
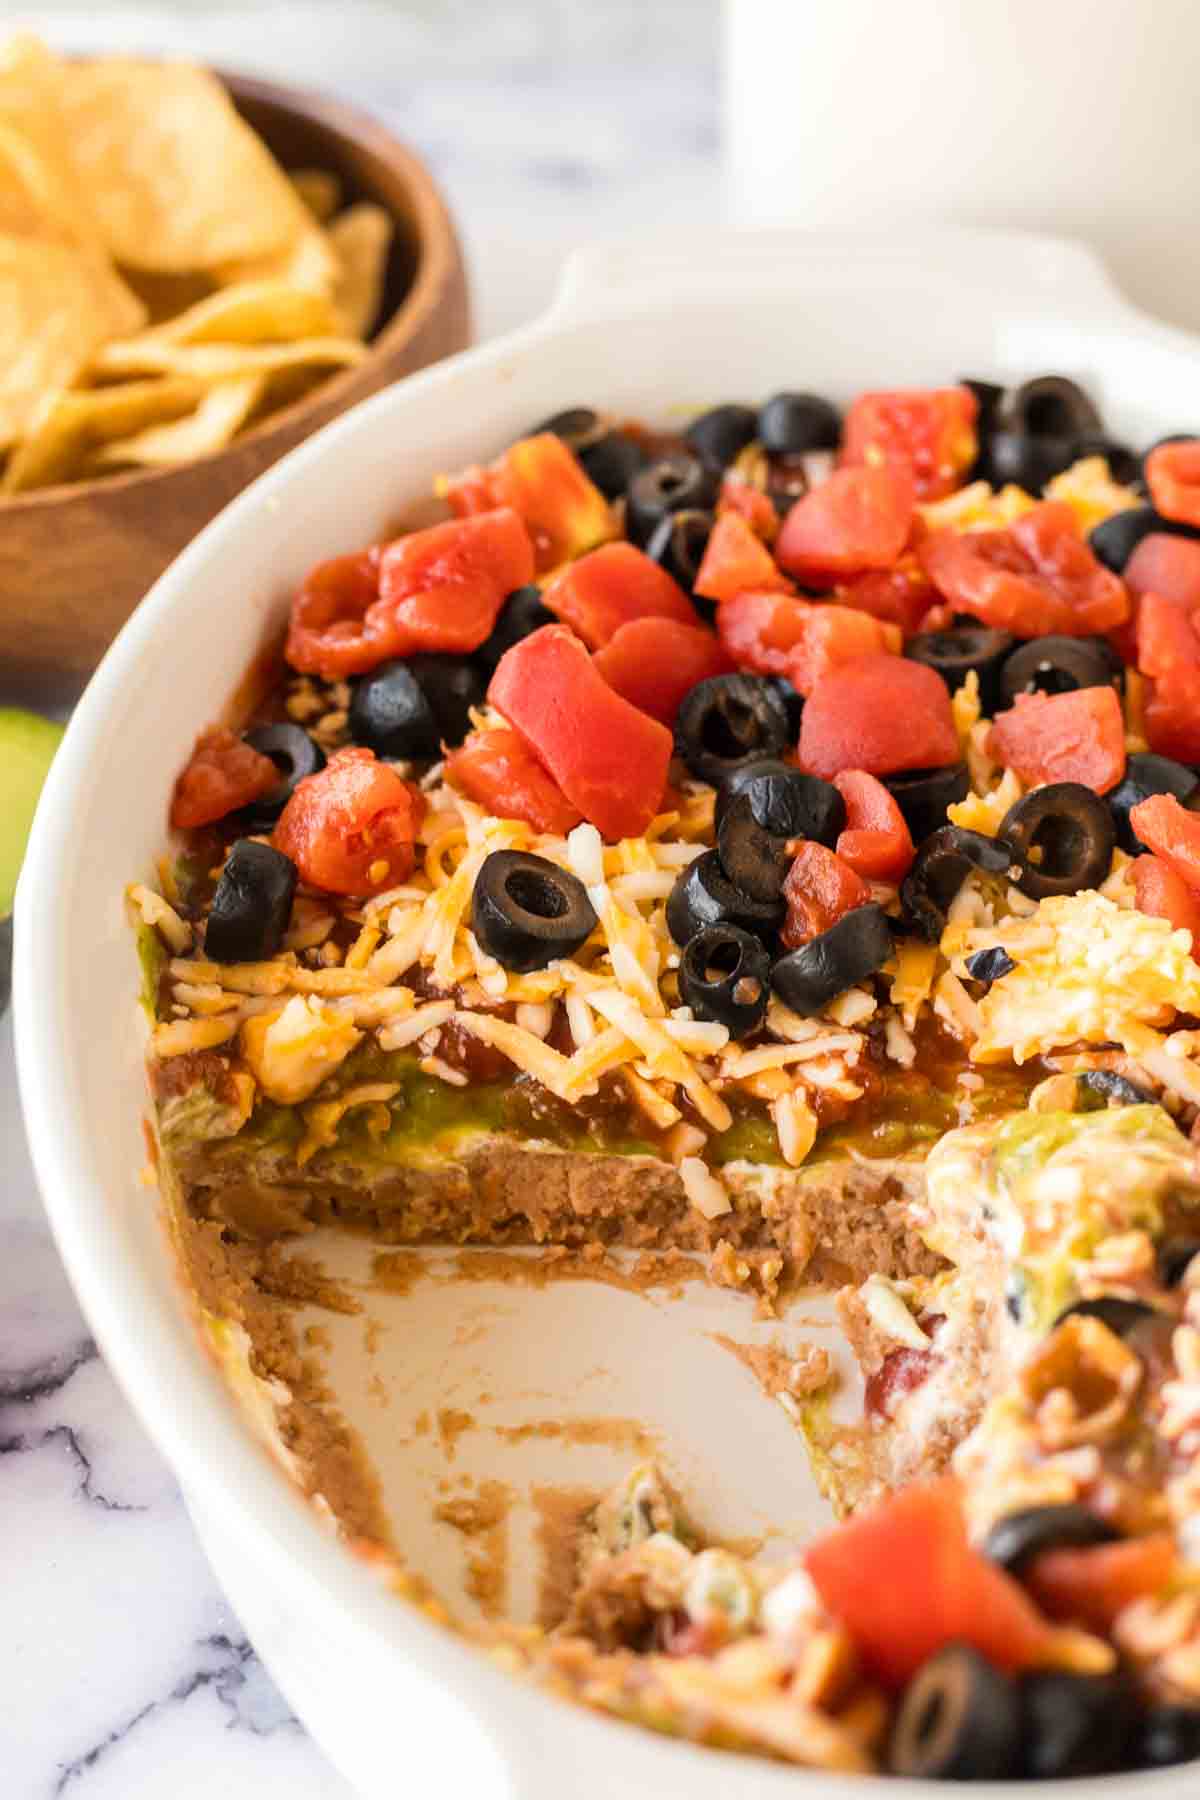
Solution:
(27, 746)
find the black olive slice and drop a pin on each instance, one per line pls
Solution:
(452, 685)
(956, 652)
(942, 864)
(989, 395)
(252, 904)
(674, 483)
(612, 462)
(990, 965)
(959, 1720)
(924, 794)
(1114, 540)
(704, 895)
(1120, 1315)
(790, 424)
(526, 911)
(1053, 406)
(770, 813)
(1174, 1255)
(1147, 774)
(1057, 665)
(1113, 1089)
(724, 975)
(1028, 461)
(719, 434)
(1124, 464)
(1063, 836)
(740, 777)
(521, 614)
(809, 978)
(1075, 1724)
(391, 714)
(575, 425)
(296, 755)
(793, 700)
(728, 719)
(1167, 1735)
(678, 542)
(1016, 1539)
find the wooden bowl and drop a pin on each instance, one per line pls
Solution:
(75, 560)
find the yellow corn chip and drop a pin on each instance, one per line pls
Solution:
(256, 312)
(219, 362)
(307, 262)
(320, 190)
(215, 422)
(70, 425)
(361, 238)
(165, 295)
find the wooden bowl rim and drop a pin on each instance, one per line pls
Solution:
(436, 256)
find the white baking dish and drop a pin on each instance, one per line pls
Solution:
(397, 1703)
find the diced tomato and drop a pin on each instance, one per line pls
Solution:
(736, 561)
(881, 714)
(1172, 833)
(1168, 642)
(224, 773)
(564, 513)
(757, 508)
(930, 431)
(612, 585)
(328, 633)
(762, 632)
(497, 769)
(442, 589)
(1167, 565)
(859, 519)
(834, 635)
(1076, 736)
(350, 828)
(1173, 477)
(609, 759)
(904, 1581)
(1091, 1587)
(819, 888)
(1163, 893)
(901, 596)
(876, 841)
(1172, 717)
(1038, 576)
(653, 663)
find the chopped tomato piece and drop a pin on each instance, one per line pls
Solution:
(819, 888)
(1162, 892)
(609, 759)
(1036, 577)
(834, 635)
(328, 633)
(1168, 643)
(1167, 565)
(1091, 1587)
(653, 663)
(757, 508)
(1172, 833)
(876, 841)
(442, 589)
(1172, 717)
(859, 519)
(1077, 736)
(1173, 477)
(779, 634)
(735, 561)
(497, 769)
(540, 478)
(905, 1582)
(930, 431)
(350, 828)
(608, 587)
(881, 714)
(223, 774)
(902, 596)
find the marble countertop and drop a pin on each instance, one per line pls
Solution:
(125, 1675)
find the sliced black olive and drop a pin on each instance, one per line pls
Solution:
(746, 772)
(1064, 837)
(1120, 1315)
(252, 905)
(1055, 665)
(942, 864)
(612, 462)
(1114, 540)
(1015, 1540)
(452, 685)
(521, 614)
(1029, 461)
(959, 1720)
(990, 965)
(678, 542)
(792, 699)
(676, 483)
(924, 794)
(989, 395)
(1174, 1255)
(704, 895)
(1113, 1089)
(1053, 406)
(1124, 464)
(404, 709)
(295, 755)
(1147, 774)
(721, 432)
(526, 911)
(956, 652)
(809, 978)
(724, 975)
(728, 719)
(769, 814)
(575, 425)
(790, 424)
(1075, 1724)
(1167, 1735)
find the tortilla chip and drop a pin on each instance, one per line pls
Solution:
(361, 238)
(207, 363)
(68, 426)
(165, 295)
(320, 190)
(174, 178)
(309, 263)
(214, 423)
(256, 312)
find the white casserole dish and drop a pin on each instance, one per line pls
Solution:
(395, 1701)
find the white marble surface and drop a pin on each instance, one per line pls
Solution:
(124, 1674)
